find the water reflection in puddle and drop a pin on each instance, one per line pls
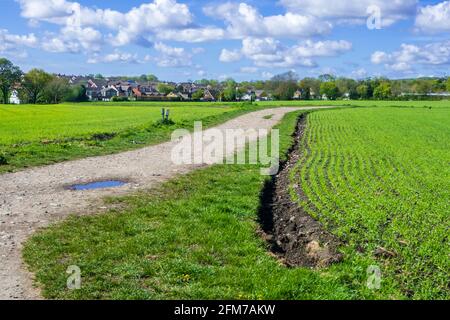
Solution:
(97, 185)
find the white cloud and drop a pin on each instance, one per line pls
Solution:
(267, 75)
(74, 39)
(148, 18)
(350, 11)
(192, 34)
(230, 55)
(321, 48)
(46, 10)
(7, 38)
(269, 52)
(405, 59)
(12, 44)
(379, 57)
(116, 56)
(172, 56)
(243, 20)
(359, 73)
(57, 45)
(434, 18)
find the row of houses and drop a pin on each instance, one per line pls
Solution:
(107, 89)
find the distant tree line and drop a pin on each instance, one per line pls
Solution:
(38, 86)
(284, 86)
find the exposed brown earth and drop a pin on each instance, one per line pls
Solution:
(295, 237)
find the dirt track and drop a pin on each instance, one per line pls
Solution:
(34, 198)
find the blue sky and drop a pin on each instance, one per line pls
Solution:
(246, 40)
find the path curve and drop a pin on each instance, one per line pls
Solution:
(36, 197)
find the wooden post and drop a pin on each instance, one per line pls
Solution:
(163, 113)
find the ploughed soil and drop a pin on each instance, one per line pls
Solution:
(294, 236)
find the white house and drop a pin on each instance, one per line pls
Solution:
(14, 98)
(109, 92)
(247, 97)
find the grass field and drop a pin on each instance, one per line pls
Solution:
(32, 135)
(193, 238)
(37, 135)
(361, 103)
(357, 103)
(380, 178)
(376, 177)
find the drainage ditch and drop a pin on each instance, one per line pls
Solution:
(294, 236)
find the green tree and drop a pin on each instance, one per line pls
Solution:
(310, 87)
(383, 91)
(330, 90)
(165, 88)
(198, 95)
(10, 75)
(438, 85)
(76, 94)
(230, 92)
(326, 78)
(285, 90)
(287, 76)
(363, 91)
(56, 90)
(347, 86)
(152, 78)
(448, 85)
(34, 84)
(143, 78)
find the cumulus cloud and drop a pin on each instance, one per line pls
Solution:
(172, 56)
(12, 44)
(359, 73)
(46, 10)
(243, 20)
(193, 35)
(8, 39)
(147, 18)
(269, 52)
(267, 75)
(73, 40)
(116, 56)
(432, 54)
(350, 11)
(230, 55)
(156, 14)
(434, 18)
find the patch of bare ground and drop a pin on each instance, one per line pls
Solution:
(294, 236)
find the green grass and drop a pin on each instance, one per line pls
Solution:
(376, 177)
(38, 135)
(195, 237)
(380, 177)
(32, 135)
(361, 103)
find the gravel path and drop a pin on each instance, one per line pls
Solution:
(36, 197)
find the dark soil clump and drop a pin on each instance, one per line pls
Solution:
(103, 136)
(295, 237)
